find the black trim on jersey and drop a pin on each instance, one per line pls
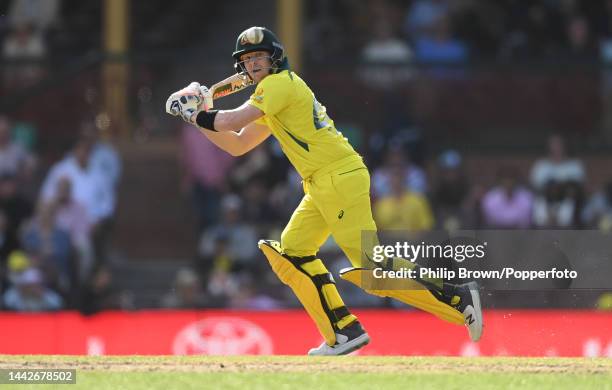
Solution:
(303, 144)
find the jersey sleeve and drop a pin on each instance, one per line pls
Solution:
(272, 95)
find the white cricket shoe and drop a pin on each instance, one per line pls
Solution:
(469, 306)
(348, 340)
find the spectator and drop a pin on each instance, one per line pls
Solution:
(30, 294)
(24, 134)
(574, 191)
(218, 258)
(186, 293)
(241, 237)
(440, 46)
(71, 217)
(105, 164)
(604, 302)
(255, 163)
(423, 15)
(17, 262)
(414, 177)
(579, 45)
(598, 211)
(41, 14)
(250, 297)
(556, 166)
(479, 23)
(507, 205)
(89, 188)
(14, 159)
(533, 30)
(401, 208)
(284, 184)
(552, 209)
(222, 285)
(605, 52)
(257, 209)
(104, 160)
(450, 191)
(384, 59)
(23, 44)
(279, 166)
(325, 31)
(384, 47)
(16, 207)
(50, 245)
(205, 172)
(286, 196)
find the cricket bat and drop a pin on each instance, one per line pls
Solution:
(230, 85)
(235, 83)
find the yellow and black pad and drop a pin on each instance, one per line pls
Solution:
(407, 291)
(313, 285)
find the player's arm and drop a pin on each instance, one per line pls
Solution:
(241, 142)
(194, 105)
(227, 120)
(232, 130)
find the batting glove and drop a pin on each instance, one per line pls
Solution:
(186, 102)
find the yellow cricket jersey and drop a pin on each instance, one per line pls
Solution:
(410, 212)
(299, 122)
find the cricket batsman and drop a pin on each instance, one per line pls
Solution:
(336, 194)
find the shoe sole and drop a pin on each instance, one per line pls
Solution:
(348, 347)
(355, 344)
(473, 288)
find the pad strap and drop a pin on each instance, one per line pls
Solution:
(322, 279)
(340, 312)
(299, 261)
(319, 281)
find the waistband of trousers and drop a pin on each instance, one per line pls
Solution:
(354, 158)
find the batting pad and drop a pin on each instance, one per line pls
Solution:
(314, 287)
(411, 293)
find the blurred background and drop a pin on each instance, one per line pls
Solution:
(471, 114)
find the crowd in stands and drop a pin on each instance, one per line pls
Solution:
(53, 239)
(253, 196)
(26, 27)
(55, 224)
(457, 31)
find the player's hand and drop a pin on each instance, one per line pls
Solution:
(207, 98)
(186, 102)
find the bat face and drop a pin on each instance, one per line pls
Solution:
(230, 85)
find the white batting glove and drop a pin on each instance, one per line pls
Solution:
(186, 102)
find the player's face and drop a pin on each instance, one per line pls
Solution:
(258, 64)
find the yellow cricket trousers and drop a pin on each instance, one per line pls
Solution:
(336, 201)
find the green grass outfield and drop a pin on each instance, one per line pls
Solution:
(297, 372)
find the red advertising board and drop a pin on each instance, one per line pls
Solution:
(216, 332)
